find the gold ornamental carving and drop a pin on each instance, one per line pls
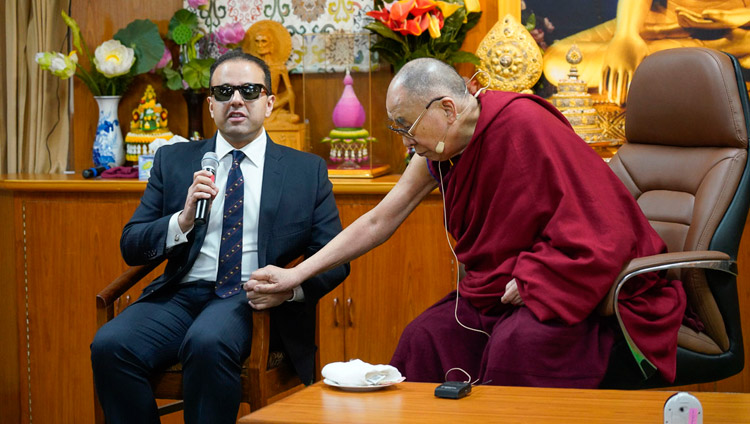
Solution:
(510, 57)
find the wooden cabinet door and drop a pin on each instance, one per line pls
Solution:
(330, 328)
(390, 285)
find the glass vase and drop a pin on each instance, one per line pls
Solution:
(195, 101)
(108, 144)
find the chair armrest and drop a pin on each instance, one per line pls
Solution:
(703, 259)
(707, 259)
(261, 340)
(122, 283)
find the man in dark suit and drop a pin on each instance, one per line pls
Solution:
(268, 205)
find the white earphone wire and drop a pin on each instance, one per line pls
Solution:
(447, 238)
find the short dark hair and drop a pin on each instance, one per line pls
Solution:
(238, 54)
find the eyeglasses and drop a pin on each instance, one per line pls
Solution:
(409, 133)
(249, 91)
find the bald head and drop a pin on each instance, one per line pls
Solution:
(423, 79)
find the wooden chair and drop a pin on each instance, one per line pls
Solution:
(686, 163)
(266, 375)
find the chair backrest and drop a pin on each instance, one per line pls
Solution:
(685, 161)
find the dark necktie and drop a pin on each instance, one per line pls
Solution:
(229, 276)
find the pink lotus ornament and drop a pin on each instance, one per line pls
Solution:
(348, 112)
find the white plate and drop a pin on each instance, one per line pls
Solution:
(361, 388)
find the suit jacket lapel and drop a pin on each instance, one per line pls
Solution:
(273, 180)
(200, 230)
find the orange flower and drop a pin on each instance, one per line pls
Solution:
(400, 9)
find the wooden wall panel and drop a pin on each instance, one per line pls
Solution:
(73, 252)
(10, 343)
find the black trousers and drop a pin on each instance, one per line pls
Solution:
(210, 336)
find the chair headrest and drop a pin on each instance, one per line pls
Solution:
(686, 97)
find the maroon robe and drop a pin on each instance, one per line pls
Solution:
(528, 199)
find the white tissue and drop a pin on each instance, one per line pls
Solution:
(360, 373)
(154, 145)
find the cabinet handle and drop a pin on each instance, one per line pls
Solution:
(349, 303)
(335, 311)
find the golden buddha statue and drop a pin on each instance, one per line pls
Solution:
(615, 48)
(270, 41)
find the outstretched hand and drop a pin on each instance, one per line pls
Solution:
(272, 280)
(260, 301)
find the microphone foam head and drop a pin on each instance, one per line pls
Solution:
(210, 160)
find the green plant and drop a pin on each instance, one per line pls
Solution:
(133, 50)
(411, 29)
(192, 71)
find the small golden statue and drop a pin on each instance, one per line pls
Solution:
(582, 111)
(574, 101)
(510, 58)
(149, 122)
(270, 41)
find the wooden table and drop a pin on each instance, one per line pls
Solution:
(416, 403)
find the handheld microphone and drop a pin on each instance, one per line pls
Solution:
(209, 163)
(95, 171)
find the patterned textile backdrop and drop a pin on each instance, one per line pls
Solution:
(327, 35)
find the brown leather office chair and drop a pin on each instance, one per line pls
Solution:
(685, 161)
(266, 376)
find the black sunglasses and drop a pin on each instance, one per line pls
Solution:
(249, 91)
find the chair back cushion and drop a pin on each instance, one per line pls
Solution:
(685, 154)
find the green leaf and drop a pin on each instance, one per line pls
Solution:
(382, 30)
(182, 17)
(531, 22)
(197, 73)
(463, 57)
(142, 35)
(174, 79)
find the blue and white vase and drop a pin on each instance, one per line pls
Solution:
(108, 144)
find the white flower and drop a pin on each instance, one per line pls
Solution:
(57, 63)
(44, 59)
(113, 59)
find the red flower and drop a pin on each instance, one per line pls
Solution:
(383, 15)
(417, 25)
(400, 9)
(422, 6)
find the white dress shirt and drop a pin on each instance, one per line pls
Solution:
(206, 266)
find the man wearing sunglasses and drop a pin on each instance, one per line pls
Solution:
(268, 205)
